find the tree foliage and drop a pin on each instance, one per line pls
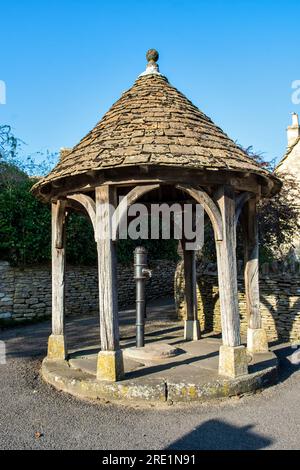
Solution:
(278, 217)
(24, 221)
(278, 220)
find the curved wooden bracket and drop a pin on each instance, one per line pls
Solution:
(127, 201)
(240, 202)
(209, 206)
(88, 203)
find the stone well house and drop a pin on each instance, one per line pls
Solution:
(290, 166)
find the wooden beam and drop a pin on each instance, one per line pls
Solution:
(251, 256)
(189, 259)
(240, 202)
(108, 301)
(88, 203)
(132, 175)
(126, 202)
(209, 206)
(58, 267)
(227, 271)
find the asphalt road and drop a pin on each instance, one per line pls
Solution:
(268, 420)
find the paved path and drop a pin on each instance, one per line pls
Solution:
(268, 420)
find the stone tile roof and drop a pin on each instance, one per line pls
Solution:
(153, 124)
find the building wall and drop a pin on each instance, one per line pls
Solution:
(279, 296)
(25, 294)
(290, 165)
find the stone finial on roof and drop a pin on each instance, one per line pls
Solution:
(152, 67)
(295, 120)
(293, 131)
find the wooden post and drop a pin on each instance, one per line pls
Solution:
(110, 360)
(191, 324)
(256, 335)
(56, 343)
(233, 359)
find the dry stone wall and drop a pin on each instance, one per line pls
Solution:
(25, 294)
(279, 300)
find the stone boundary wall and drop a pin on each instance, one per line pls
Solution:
(279, 300)
(25, 294)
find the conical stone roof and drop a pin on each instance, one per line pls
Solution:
(153, 124)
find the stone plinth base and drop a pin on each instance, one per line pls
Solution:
(233, 361)
(257, 340)
(110, 366)
(151, 352)
(192, 330)
(57, 348)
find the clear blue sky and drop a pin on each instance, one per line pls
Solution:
(65, 63)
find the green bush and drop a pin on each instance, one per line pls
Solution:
(25, 225)
(80, 244)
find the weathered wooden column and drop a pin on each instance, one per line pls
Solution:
(256, 335)
(233, 358)
(110, 358)
(191, 324)
(56, 342)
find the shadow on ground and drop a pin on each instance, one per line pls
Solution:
(286, 368)
(219, 435)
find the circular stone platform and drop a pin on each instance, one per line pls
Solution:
(190, 375)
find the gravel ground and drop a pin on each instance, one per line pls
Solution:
(267, 420)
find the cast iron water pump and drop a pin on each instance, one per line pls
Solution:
(141, 274)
